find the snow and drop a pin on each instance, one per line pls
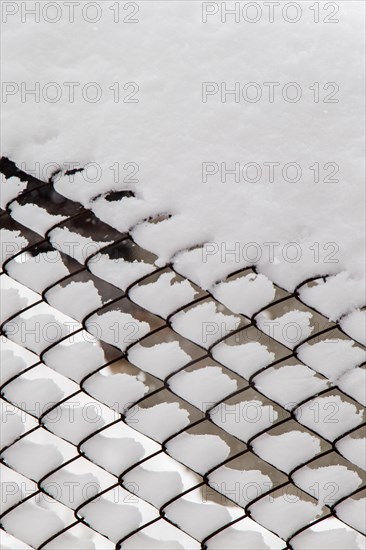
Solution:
(14, 297)
(35, 272)
(124, 214)
(160, 535)
(190, 132)
(290, 329)
(75, 245)
(244, 419)
(118, 272)
(11, 364)
(33, 523)
(76, 299)
(354, 325)
(80, 537)
(113, 454)
(75, 419)
(199, 452)
(14, 488)
(198, 519)
(104, 516)
(354, 449)
(289, 384)
(288, 450)
(327, 484)
(352, 511)
(155, 487)
(245, 295)
(284, 514)
(12, 243)
(8, 542)
(159, 360)
(244, 359)
(37, 454)
(10, 189)
(353, 383)
(332, 358)
(336, 296)
(158, 422)
(329, 534)
(78, 188)
(168, 135)
(34, 396)
(245, 535)
(140, 540)
(104, 513)
(163, 296)
(119, 391)
(65, 540)
(74, 358)
(329, 416)
(248, 484)
(203, 386)
(148, 235)
(57, 485)
(207, 264)
(203, 324)
(34, 217)
(12, 424)
(117, 328)
(39, 331)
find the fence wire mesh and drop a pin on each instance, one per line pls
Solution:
(138, 414)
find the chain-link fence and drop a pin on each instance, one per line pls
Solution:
(141, 411)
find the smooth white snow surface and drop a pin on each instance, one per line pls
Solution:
(73, 244)
(290, 384)
(118, 272)
(169, 54)
(354, 450)
(159, 421)
(330, 534)
(290, 329)
(244, 419)
(288, 450)
(164, 296)
(246, 294)
(10, 189)
(336, 296)
(34, 217)
(332, 358)
(34, 271)
(199, 452)
(329, 416)
(117, 328)
(284, 514)
(203, 386)
(244, 359)
(354, 325)
(76, 299)
(327, 484)
(159, 360)
(204, 324)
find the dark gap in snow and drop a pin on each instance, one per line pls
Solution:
(118, 195)
(73, 171)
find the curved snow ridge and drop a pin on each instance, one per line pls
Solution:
(341, 293)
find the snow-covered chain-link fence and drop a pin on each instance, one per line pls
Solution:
(141, 411)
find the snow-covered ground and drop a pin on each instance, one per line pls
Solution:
(165, 137)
